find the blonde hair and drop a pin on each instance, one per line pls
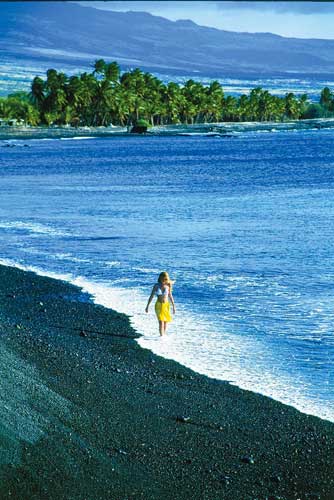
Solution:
(165, 276)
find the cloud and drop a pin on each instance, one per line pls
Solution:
(139, 5)
(297, 7)
(287, 6)
(300, 19)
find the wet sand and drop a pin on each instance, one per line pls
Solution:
(87, 414)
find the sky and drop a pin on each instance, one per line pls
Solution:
(290, 18)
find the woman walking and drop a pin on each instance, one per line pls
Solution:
(163, 291)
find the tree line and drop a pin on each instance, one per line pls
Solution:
(106, 96)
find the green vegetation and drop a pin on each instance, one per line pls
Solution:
(142, 123)
(106, 96)
(325, 108)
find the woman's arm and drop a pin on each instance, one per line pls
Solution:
(172, 301)
(151, 297)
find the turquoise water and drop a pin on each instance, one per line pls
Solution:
(243, 224)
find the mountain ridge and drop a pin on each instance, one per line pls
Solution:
(32, 28)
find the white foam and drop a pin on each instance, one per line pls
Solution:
(77, 138)
(112, 263)
(194, 342)
(191, 340)
(32, 227)
(147, 270)
(69, 257)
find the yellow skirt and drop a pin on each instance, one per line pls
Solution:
(162, 310)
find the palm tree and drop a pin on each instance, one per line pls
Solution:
(153, 99)
(102, 103)
(173, 100)
(37, 91)
(55, 95)
(195, 95)
(103, 96)
(327, 99)
(230, 111)
(99, 67)
(303, 104)
(292, 106)
(112, 72)
(245, 107)
(214, 101)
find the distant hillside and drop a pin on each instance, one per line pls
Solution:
(72, 32)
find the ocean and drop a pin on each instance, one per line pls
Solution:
(243, 225)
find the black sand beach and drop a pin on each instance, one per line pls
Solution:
(224, 129)
(87, 414)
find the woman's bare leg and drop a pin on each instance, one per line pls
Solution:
(161, 328)
(165, 326)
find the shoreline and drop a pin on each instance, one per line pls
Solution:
(223, 129)
(89, 414)
(86, 288)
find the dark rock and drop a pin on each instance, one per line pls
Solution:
(248, 459)
(137, 129)
(83, 333)
(183, 420)
(275, 479)
(225, 479)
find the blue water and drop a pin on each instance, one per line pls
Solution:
(243, 224)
